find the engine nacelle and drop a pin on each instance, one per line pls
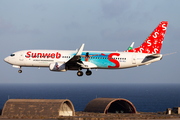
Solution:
(61, 67)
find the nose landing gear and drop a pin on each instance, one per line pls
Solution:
(20, 71)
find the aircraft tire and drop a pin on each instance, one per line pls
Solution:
(80, 73)
(88, 72)
(19, 71)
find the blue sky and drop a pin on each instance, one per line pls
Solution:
(108, 25)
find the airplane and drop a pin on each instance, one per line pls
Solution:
(63, 60)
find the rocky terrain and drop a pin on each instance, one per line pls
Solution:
(101, 116)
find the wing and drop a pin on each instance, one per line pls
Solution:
(75, 61)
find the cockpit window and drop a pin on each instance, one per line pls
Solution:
(12, 55)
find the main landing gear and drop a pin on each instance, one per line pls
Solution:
(80, 73)
(88, 72)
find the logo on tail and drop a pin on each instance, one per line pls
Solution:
(153, 43)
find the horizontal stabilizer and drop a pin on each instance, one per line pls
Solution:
(153, 56)
(149, 58)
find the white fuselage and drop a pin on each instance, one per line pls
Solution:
(100, 60)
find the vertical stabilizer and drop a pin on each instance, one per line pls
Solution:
(154, 42)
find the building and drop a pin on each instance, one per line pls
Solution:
(110, 105)
(38, 107)
(176, 110)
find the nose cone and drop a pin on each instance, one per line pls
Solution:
(6, 59)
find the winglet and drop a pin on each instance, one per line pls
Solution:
(131, 46)
(80, 50)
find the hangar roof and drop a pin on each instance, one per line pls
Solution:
(113, 105)
(38, 107)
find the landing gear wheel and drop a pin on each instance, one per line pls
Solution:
(19, 71)
(80, 73)
(88, 72)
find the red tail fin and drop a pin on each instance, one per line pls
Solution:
(154, 42)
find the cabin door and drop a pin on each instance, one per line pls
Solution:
(134, 59)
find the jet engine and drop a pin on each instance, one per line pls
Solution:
(61, 67)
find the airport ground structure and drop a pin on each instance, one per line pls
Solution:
(48, 108)
(110, 105)
(54, 108)
(99, 108)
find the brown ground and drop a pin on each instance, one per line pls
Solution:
(101, 116)
(125, 116)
